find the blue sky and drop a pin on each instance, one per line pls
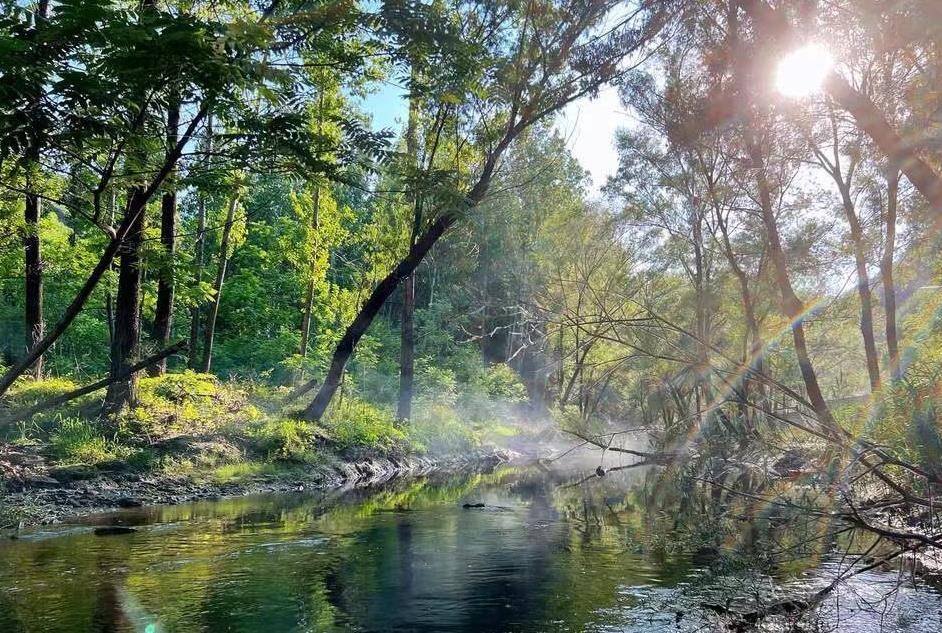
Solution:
(588, 126)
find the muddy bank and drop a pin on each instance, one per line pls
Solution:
(58, 494)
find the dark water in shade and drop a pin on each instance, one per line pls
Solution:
(543, 556)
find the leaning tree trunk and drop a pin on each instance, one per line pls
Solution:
(368, 312)
(886, 271)
(210, 334)
(791, 305)
(385, 288)
(163, 314)
(125, 346)
(863, 289)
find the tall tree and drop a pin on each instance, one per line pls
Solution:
(163, 314)
(225, 253)
(31, 239)
(546, 62)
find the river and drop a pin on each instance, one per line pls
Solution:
(546, 553)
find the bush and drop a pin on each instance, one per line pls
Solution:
(437, 428)
(353, 423)
(286, 439)
(187, 403)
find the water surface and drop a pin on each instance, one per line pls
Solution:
(543, 555)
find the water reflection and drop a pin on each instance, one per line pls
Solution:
(541, 556)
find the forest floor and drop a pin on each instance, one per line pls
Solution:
(193, 437)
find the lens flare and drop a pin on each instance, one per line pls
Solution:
(802, 72)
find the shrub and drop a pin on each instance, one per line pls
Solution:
(186, 403)
(286, 439)
(353, 423)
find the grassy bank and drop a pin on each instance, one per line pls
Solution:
(199, 428)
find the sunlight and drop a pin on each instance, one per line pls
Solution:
(802, 72)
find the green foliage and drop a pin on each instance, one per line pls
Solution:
(285, 439)
(355, 424)
(187, 403)
(78, 441)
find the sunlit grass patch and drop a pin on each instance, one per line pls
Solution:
(77, 441)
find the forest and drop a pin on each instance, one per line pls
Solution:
(255, 243)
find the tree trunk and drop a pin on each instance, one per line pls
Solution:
(407, 323)
(863, 289)
(309, 295)
(163, 315)
(210, 333)
(791, 305)
(199, 261)
(31, 246)
(886, 271)
(34, 280)
(407, 349)
(125, 346)
(78, 302)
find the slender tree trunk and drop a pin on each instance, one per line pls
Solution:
(886, 271)
(34, 278)
(31, 246)
(210, 333)
(407, 323)
(125, 346)
(407, 349)
(309, 294)
(163, 314)
(791, 305)
(196, 312)
(198, 263)
(306, 319)
(863, 289)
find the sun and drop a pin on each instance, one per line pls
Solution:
(802, 72)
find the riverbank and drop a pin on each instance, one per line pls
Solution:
(53, 494)
(193, 436)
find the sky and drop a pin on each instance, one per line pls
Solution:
(588, 125)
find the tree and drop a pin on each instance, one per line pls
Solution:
(542, 65)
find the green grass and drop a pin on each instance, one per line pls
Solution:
(77, 441)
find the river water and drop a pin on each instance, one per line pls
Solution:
(546, 553)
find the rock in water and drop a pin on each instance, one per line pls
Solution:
(113, 530)
(473, 505)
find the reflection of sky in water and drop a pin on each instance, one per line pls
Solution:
(540, 557)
